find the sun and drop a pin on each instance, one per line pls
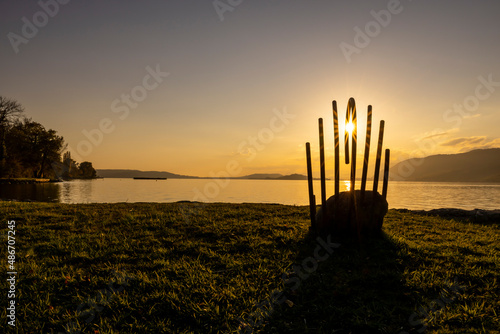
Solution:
(349, 127)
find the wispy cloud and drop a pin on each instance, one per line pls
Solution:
(472, 116)
(435, 134)
(465, 144)
(441, 134)
(464, 141)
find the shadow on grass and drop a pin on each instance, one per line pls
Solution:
(358, 288)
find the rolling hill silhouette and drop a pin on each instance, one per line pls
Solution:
(474, 166)
(130, 173)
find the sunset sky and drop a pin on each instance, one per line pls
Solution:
(189, 86)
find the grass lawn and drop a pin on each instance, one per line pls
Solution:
(221, 268)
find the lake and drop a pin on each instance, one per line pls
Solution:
(410, 195)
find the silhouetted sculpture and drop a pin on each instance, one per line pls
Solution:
(354, 212)
(345, 218)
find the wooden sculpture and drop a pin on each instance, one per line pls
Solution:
(354, 212)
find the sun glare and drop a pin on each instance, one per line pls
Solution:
(349, 127)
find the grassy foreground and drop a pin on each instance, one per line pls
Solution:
(219, 268)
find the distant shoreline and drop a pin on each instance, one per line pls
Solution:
(477, 166)
(26, 181)
(315, 179)
(36, 180)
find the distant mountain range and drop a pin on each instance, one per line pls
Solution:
(474, 166)
(274, 177)
(130, 173)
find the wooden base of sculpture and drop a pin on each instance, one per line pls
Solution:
(348, 216)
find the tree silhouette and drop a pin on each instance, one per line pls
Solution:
(10, 110)
(27, 149)
(70, 168)
(33, 148)
(87, 171)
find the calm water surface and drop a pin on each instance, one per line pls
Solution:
(410, 195)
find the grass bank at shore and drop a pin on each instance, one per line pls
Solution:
(24, 180)
(218, 268)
